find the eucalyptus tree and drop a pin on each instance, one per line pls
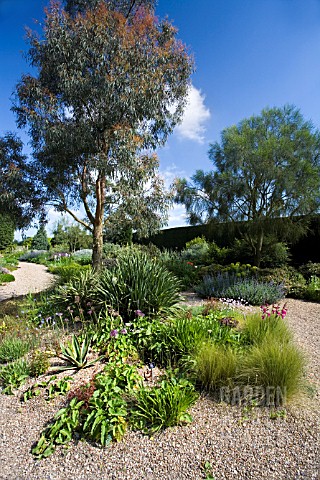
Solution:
(266, 172)
(110, 87)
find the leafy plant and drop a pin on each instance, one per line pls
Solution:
(77, 291)
(68, 272)
(76, 354)
(12, 348)
(61, 387)
(67, 420)
(14, 375)
(106, 413)
(164, 405)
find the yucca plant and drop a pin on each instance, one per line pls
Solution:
(76, 354)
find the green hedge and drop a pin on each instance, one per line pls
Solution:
(306, 249)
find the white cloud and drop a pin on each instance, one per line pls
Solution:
(195, 116)
(177, 217)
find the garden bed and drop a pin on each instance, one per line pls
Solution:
(238, 442)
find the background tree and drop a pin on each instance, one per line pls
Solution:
(7, 228)
(20, 196)
(266, 172)
(108, 90)
(40, 240)
(71, 236)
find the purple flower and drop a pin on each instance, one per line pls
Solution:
(59, 314)
(114, 333)
(123, 331)
(89, 312)
(139, 313)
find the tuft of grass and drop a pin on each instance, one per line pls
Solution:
(215, 366)
(273, 364)
(12, 348)
(256, 329)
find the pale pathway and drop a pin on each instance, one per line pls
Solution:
(29, 278)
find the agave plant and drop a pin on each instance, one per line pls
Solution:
(76, 354)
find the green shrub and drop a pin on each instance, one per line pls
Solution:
(40, 240)
(215, 366)
(83, 257)
(164, 405)
(12, 348)
(184, 270)
(196, 251)
(182, 337)
(312, 291)
(6, 277)
(273, 365)
(292, 280)
(309, 269)
(137, 283)
(39, 363)
(68, 272)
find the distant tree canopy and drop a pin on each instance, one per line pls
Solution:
(266, 167)
(20, 196)
(111, 86)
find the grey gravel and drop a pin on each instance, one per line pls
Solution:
(238, 445)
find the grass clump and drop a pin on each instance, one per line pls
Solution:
(215, 366)
(273, 365)
(12, 348)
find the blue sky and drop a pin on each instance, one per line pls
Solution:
(249, 54)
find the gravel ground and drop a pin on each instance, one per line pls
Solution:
(238, 444)
(29, 277)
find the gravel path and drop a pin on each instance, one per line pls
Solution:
(239, 444)
(29, 277)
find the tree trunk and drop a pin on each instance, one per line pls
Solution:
(97, 246)
(258, 250)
